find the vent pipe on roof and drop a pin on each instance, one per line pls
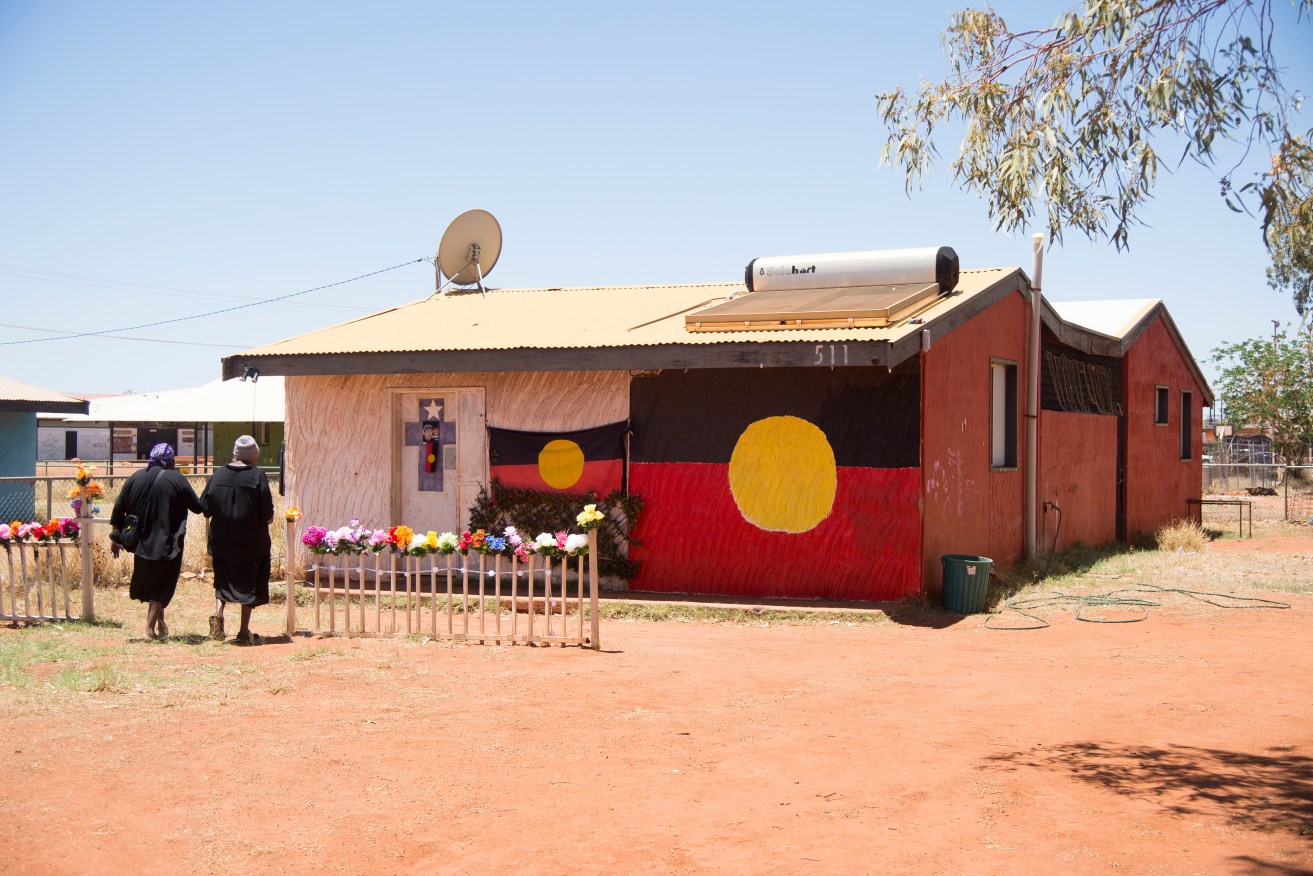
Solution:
(1032, 398)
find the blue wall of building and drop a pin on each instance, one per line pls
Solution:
(17, 459)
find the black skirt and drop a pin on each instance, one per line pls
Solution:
(242, 583)
(155, 580)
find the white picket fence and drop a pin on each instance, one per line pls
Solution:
(476, 597)
(34, 579)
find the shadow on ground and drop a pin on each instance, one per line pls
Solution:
(1265, 792)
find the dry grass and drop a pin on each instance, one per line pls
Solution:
(1181, 536)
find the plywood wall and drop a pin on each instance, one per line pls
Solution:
(339, 452)
(1078, 474)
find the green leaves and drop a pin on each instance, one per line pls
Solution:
(1071, 119)
(1268, 383)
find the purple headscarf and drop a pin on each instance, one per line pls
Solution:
(162, 455)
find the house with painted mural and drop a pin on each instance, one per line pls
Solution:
(824, 438)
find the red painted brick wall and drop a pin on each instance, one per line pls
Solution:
(968, 508)
(1158, 481)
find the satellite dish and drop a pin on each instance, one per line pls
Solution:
(469, 248)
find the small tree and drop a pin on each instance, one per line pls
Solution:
(1268, 383)
(1075, 120)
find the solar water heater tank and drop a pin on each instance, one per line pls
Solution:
(838, 270)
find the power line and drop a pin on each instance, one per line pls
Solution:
(212, 312)
(33, 328)
(22, 272)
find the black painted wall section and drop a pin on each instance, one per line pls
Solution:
(870, 416)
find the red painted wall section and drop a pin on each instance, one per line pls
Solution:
(1158, 481)
(1078, 473)
(968, 508)
(695, 540)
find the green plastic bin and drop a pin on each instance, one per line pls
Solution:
(966, 581)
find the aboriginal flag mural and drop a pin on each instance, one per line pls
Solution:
(572, 462)
(778, 482)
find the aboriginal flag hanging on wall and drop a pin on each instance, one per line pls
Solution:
(799, 482)
(571, 462)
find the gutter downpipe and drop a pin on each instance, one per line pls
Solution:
(1032, 397)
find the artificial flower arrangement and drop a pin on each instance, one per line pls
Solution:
(58, 529)
(403, 540)
(85, 489)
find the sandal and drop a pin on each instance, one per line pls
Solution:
(216, 628)
(162, 631)
(246, 638)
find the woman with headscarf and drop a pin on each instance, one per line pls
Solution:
(159, 498)
(240, 506)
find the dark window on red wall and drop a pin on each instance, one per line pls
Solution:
(1003, 414)
(1160, 405)
(1187, 424)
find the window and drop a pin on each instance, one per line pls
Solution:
(1003, 414)
(1187, 424)
(1160, 405)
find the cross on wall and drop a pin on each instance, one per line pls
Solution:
(431, 447)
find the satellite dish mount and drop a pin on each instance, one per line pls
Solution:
(469, 250)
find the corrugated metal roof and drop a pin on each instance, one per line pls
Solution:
(1113, 318)
(219, 401)
(16, 395)
(587, 317)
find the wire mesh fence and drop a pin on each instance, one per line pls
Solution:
(1276, 492)
(43, 498)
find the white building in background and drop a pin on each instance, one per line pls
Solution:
(201, 423)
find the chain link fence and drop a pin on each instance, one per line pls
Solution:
(1276, 492)
(42, 498)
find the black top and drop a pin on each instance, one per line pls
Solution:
(161, 498)
(240, 506)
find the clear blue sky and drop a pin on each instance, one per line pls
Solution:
(249, 150)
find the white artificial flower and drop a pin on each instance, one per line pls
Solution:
(575, 542)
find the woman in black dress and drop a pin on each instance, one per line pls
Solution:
(240, 506)
(160, 498)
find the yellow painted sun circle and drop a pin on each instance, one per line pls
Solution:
(561, 464)
(782, 475)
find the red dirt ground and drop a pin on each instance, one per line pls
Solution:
(1180, 745)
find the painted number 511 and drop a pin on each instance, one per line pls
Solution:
(831, 354)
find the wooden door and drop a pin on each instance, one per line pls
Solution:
(440, 456)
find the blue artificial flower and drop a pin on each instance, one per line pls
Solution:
(496, 544)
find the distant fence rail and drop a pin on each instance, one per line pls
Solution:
(1278, 492)
(44, 497)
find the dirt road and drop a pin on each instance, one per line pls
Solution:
(1180, 745)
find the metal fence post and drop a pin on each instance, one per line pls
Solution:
(1285, 500)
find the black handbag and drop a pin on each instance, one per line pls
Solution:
(129, 535)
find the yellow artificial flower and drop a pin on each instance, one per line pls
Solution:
(589, 517)
(292, 514)
(431, 540)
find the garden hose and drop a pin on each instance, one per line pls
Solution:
(1113, 599)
